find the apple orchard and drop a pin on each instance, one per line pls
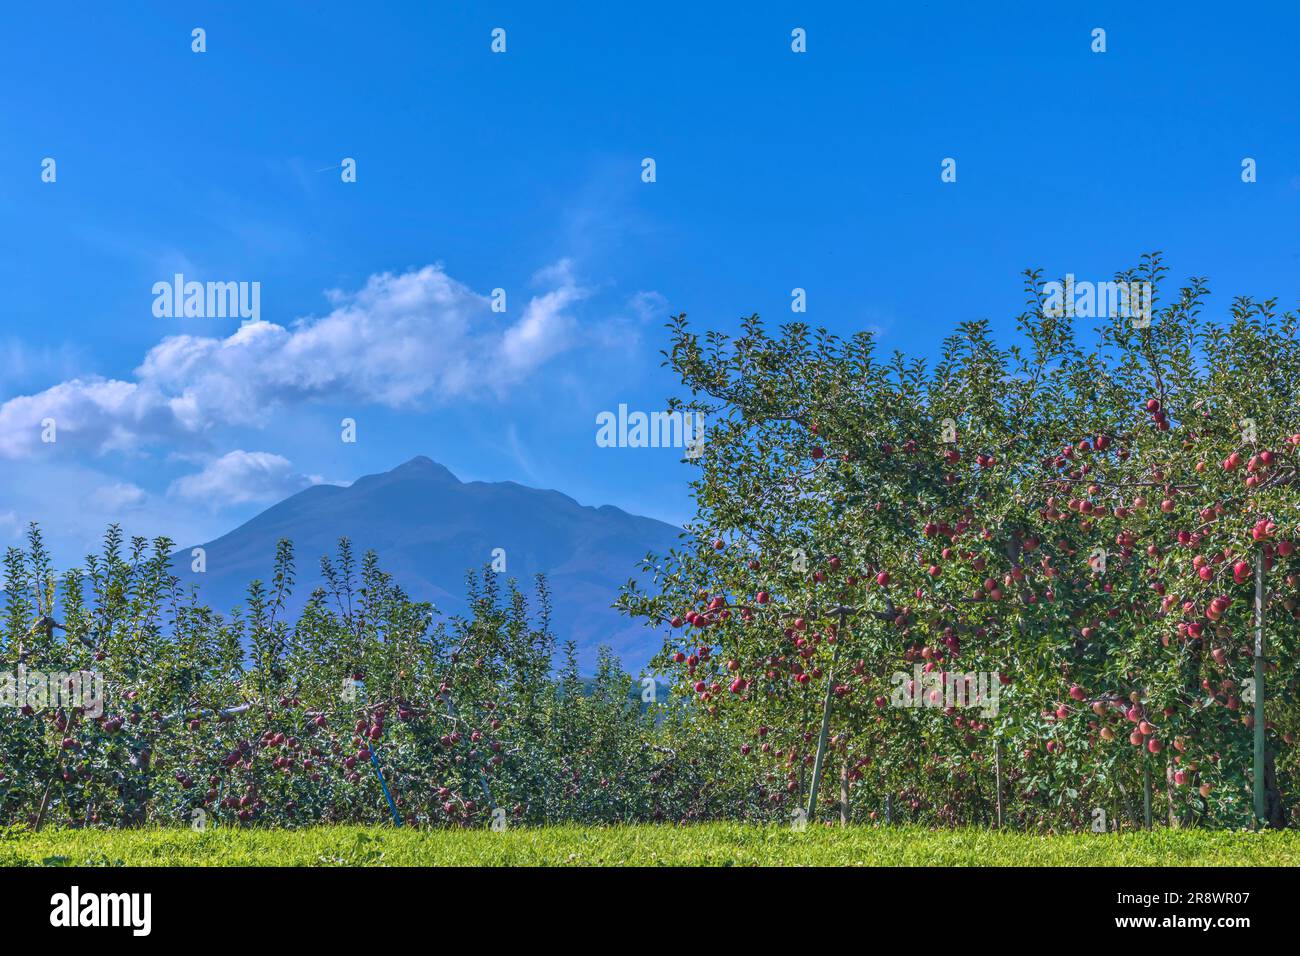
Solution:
(1106, 527)
(1094, 530)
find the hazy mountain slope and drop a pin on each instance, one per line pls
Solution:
(429, 528)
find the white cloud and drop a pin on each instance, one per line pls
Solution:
(241, 477)
(400, 341)
(520, 454)
(648, 306)
(624, 331)
(22, 364)
(59, 494)
(120, 496)
(546, 327)
(11, 525)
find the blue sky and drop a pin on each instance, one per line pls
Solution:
(522, 171)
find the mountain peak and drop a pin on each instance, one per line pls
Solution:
(424, 466)
(429, 529)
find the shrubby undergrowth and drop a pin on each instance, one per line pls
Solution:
(256, 719)
(1019, 582)
(1019, 587)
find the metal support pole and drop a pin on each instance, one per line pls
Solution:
(1261, 797)
(826, 722)
(374, 759)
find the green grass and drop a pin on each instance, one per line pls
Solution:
(704, 845)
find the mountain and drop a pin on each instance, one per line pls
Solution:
(428, 528)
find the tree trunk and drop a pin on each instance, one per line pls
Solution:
(1146, 792)
(45, 802)
(1276, 808)
(997, 779)
(1172, 816)
(844, 793)
(1128, 805)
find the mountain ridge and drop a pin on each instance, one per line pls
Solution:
(429, 528)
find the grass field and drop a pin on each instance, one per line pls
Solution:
(705, 845)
